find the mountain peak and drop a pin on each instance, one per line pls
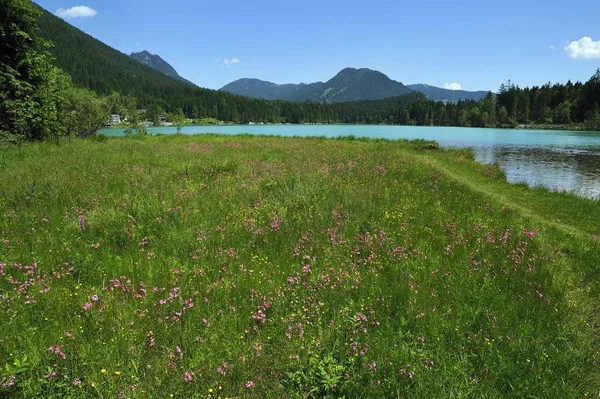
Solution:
(156, 62)
(358, 71)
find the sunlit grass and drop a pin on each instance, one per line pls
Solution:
(217, 266)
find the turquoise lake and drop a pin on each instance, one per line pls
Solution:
(558, 160)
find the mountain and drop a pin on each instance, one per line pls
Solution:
(439, 94)
(360, 84)
(154, 61)
(350, 84)
(256, 88)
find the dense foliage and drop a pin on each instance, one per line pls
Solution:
(27, 80)
(37, 99)
(557, 104)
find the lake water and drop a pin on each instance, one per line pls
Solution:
(558, 160)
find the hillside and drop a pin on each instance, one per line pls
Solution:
(439, 94)
(156, 62)
(350, 84)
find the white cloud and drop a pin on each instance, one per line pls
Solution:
(584, 49)
(552, 48)
(231, 61)
(76, 12)
(452, 86)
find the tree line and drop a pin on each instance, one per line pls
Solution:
(562, 105)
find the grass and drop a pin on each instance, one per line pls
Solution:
(219, 266)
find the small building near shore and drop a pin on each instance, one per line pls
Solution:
(114, 119)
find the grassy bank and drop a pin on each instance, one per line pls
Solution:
(219, 266)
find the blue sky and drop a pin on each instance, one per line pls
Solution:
(475, 44)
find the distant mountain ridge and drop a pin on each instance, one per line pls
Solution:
(156, 62)
(350, 84)
(439, 94)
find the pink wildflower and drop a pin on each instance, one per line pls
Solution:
(373, 366)
(58, 351)
(52, 373)
(222, 369)
(8, 382)
(275, 224)
(188, 376)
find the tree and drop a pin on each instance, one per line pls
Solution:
(562, 113)
(153, 115)
(590, 95)
(178, 120)
(593, 122)
(85, 112)
(523, 106)
(503, 116)
(29, 97)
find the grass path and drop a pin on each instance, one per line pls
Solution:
(510, 198)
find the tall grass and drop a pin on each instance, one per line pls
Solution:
(217, 266)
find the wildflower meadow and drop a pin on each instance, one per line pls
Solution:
(265, 267)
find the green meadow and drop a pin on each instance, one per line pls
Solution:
(265, 267)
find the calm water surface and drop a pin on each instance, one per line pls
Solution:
(558, 160)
